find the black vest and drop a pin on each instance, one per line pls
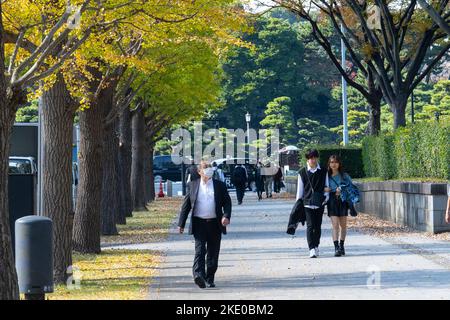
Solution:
(317, 180)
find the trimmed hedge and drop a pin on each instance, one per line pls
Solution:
(351, 158)
(416, 151)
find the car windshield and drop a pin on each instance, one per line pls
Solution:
(20, 166)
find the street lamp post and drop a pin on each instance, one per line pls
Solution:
(247, 119)
(344, 93)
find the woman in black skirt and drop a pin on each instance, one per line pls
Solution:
(337, 209)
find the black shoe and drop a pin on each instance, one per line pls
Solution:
(337, 252)
(211, 285)
(200, 282)
(342, 250)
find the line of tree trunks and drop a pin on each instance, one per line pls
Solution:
(57, 107)
(137, 163)
(87, 221)
(124, 155)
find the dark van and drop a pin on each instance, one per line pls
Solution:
(164, 167)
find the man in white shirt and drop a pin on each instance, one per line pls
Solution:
(211, 212)
(312, 182)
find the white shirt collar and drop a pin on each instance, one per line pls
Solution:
(312, 170)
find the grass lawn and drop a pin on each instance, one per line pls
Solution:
(122, 274)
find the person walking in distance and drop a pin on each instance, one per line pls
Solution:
(268, 180)
(218, 173)
(277, 180)
(312, 181)
(259, 180)
(337, 209)
(211, 213)
(239, 179)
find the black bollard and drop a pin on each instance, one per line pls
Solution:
(34, 256)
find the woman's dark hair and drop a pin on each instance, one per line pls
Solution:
(337, 159)
(312, 153)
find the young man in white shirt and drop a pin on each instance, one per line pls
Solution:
(312, 182)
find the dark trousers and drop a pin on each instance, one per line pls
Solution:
(240, 191)
(277, 186)
(207, 237)
(313, 226)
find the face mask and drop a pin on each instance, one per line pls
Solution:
(209, 172)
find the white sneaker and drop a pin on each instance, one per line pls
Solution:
(317, 251)
(312, 253)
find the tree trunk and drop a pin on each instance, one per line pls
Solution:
(86, 230)
(375, 116)
(110, 201)
(150, 179)
(125, 136)
(398, 109)
(9, 289)
(137, 165)
(147, 170)
(57, 135)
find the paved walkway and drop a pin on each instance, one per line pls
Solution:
(260, 261)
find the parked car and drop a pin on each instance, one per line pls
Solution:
(22, 165)
(228, 164)
(164, 167)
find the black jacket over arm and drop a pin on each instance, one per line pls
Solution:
(297, 216)
(222, 200)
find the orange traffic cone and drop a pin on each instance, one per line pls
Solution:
(161, 192)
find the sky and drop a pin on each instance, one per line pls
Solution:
(258, 5)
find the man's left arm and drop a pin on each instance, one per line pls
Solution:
(226, 203)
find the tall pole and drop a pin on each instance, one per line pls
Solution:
(248, 141)
(412, 107)
(39, 165)
(344, 93)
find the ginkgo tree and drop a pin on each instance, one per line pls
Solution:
(174, 42)
(38, 40)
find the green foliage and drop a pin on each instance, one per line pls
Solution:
(438, 100)
(313, 132)
(285, 62)
(279, 116)
(358, 112)
(351, 157)
(416, 151)
(29, 113)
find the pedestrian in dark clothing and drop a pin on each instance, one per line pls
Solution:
(312, 182)
(277, 180)
(211, 212)
(239, 179)
(268, 180)
(259, 181)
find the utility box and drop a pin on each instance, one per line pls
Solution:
(34, 256)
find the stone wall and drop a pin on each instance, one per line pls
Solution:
(418, 205)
